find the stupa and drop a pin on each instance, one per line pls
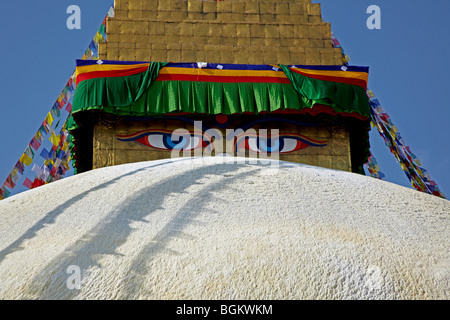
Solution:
(253, 78)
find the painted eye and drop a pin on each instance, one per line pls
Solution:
(166, 140)
(284, 143)
(261, 144)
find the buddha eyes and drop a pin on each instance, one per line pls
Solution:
(284, 143)
(167, 140)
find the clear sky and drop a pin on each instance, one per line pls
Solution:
(408, 59)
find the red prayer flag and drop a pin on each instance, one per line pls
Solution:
(9, 182)
(62, 103)
(53, 171)
(35, 144)
(27, 183)
(36, 183)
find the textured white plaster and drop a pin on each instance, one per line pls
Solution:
(204, 229)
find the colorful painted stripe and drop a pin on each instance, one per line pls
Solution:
(349, 77)
(226, 73)
(109, 73)
(185, 73)
(195, 65)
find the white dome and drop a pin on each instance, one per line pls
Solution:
(205, 229)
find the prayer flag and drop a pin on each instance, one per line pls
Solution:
(27, 183)
(15, 176)
(9, 182)
(49, 119)
(54, 139)
(35, 144)
(36, 183)
(19, 166)
(29, 152)
(39, 137)
(44, 153)
(26, 160)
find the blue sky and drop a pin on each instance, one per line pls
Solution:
(408, 59)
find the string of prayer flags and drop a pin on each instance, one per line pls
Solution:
(419, 177)
(91, 52)
(373, 168)
(48, 158)
(335, 41)
(410, 164)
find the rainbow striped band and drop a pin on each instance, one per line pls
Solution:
(225, 73)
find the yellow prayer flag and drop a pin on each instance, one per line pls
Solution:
(98, 38)
(60, 97)
(54, 139)
(65, 146)
(49, 118)
(26, 160)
